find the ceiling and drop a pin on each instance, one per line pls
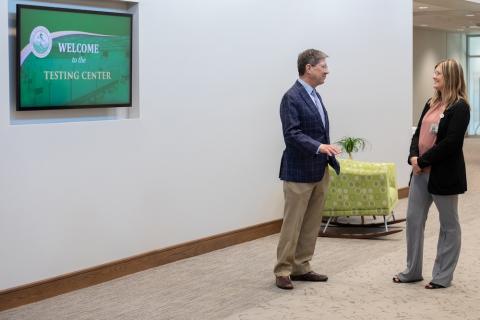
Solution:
(447, 15)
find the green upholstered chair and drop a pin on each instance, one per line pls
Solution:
(362, 189)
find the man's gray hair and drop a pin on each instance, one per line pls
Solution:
(311, 57)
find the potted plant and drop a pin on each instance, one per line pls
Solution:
(352, 144)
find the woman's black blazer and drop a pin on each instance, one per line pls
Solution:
(447, 175)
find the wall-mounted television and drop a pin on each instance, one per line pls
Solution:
(70, 58)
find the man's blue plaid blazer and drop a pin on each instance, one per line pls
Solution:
(303, 132)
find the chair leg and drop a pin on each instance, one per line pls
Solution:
(363, 220)
(326, 226)
(385, 222)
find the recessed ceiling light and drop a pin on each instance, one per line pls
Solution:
(474, 27)
(424, 25)
(422, 8)
(474, 1)
(470, 15)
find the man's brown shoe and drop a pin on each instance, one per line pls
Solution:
(310, 276)
(284, 282)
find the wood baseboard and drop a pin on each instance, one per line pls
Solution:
(403, 193)
(48, 288)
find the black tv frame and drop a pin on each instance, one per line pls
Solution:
(65, 107)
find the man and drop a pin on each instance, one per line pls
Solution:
(304, 170)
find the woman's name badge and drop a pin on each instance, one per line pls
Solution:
(434, 128)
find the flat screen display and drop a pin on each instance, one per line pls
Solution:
(70, 59)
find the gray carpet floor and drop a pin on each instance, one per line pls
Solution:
(237, 282)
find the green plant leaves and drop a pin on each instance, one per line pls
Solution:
(352, 144)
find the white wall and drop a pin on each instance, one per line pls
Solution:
(203, 156)
(430, 47)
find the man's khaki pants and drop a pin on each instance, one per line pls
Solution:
(304, 204)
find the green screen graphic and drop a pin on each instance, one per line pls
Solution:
(71, 59)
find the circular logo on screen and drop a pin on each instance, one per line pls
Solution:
(41, 42)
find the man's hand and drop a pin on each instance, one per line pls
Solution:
(329, 149)
(416, 169)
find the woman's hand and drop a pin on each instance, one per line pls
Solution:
(416, 169)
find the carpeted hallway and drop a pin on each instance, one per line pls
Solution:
(237, 282)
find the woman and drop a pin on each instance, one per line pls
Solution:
(438, 167)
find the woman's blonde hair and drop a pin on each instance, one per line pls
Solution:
(454, 84)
